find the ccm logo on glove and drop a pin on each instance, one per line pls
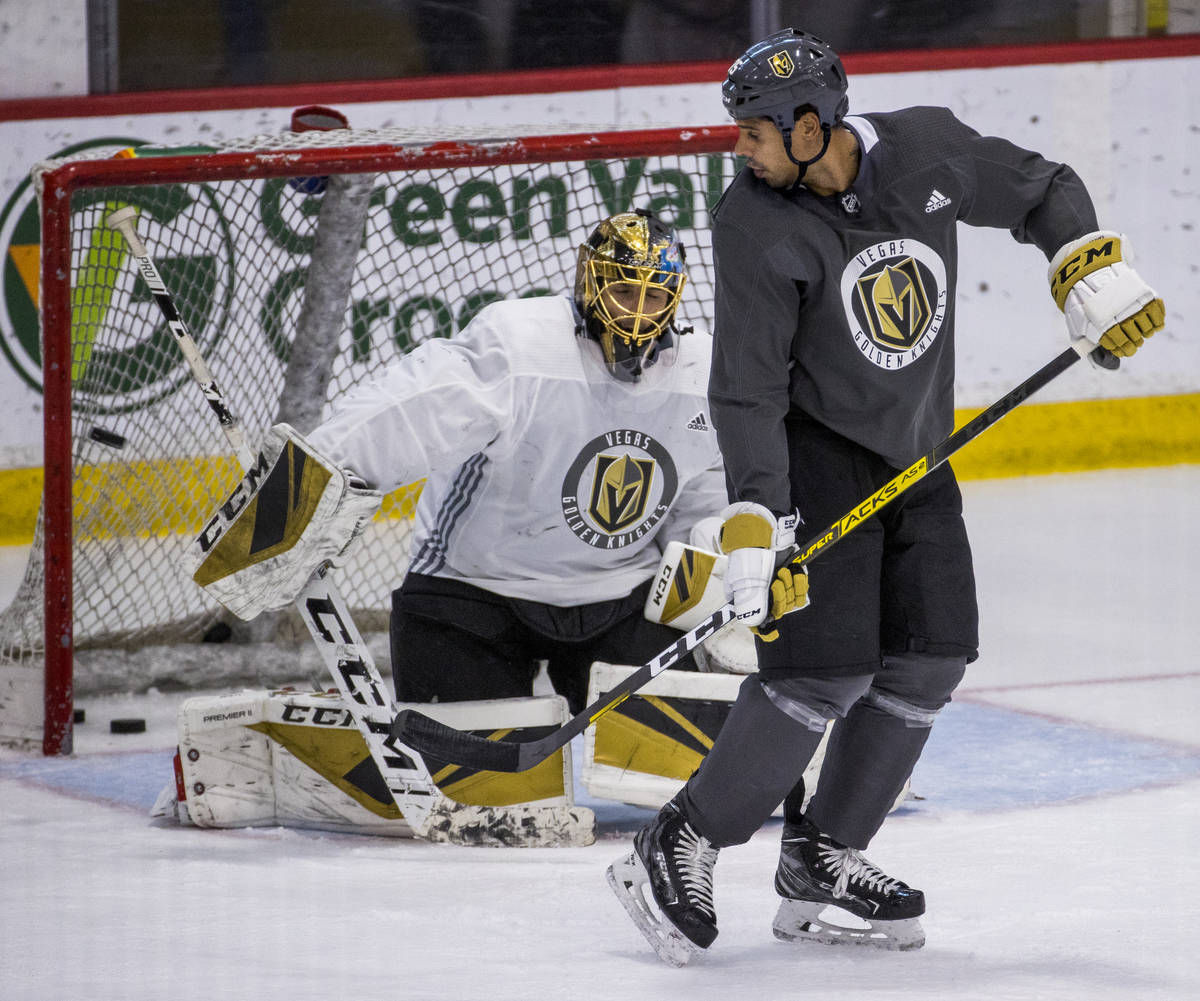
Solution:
(1103, 298)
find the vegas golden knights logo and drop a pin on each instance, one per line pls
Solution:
(620, 485)
(894, 304)
(895, 296)
(620, 490)
(782, 65)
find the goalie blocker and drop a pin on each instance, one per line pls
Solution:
(293, 511)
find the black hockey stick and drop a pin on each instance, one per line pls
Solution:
(473, 751)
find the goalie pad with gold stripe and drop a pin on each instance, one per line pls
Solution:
(297, 759)
(688, 587)
(292, 512)
(644, 750)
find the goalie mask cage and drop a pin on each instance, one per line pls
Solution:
(302, 263)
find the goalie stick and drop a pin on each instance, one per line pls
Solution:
(430, 814)
(448, 744)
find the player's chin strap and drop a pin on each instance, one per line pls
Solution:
(827, 132)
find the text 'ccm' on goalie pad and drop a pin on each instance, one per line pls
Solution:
(293, 511)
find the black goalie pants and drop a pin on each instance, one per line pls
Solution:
(452, 642)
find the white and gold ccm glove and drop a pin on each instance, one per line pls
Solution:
(1104, 299)
(294, 511)
(760, 580)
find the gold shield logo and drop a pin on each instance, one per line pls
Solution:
(895, 305)
(620, 490)
(782, 65)
(895, 295)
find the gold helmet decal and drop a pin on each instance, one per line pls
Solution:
(782, 65)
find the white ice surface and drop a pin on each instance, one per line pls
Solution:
(1055, 838)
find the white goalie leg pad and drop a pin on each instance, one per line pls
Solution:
(293, 511)
(644, 750)
(297, 759)
(688, 587)
(812, 921)
(630, 882)
(227, 773)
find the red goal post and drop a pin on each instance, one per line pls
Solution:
(256, 255)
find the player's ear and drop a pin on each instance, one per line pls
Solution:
(808, 124)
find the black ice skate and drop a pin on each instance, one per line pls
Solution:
(665, 884)
(816, 873)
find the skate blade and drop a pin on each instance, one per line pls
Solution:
(629, 882)
(809, 921)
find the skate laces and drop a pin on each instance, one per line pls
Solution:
(695, 858)
(851, 867)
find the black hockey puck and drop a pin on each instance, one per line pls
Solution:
(80, 715)
(106, 437)
(127, 726)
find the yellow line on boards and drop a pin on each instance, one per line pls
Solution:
(1086, 435)
(160, 497)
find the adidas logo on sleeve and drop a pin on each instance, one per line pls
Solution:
(698, 423)
(936, 201)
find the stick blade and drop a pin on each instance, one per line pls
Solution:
(443, 742)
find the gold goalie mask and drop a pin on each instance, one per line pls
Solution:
(627, 284)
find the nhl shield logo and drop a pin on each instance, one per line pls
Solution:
(782, 65)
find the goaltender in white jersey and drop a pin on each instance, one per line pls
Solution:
(548, 479)
(565, 442)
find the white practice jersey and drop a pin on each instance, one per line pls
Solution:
(547, 478)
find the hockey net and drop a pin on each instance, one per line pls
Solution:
(302, 263)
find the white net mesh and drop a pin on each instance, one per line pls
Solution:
(149, 460)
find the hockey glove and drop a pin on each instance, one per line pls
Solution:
(687, 588)
(760, 580)
(294, 511)
(1105, 301)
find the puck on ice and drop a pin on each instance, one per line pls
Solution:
(127, 726)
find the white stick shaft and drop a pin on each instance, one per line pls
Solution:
(124, 220)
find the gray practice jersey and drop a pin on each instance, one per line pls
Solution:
(843, 307)
(547, 478)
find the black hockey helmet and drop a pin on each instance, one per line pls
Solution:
(628, 279)
(783, 72)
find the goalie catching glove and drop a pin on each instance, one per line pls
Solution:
(294, 511)
(1105, 301)
(760, 581)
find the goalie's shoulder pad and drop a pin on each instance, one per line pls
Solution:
(293, 511)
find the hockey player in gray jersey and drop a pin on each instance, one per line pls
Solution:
(833, 369)
(564, 443)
